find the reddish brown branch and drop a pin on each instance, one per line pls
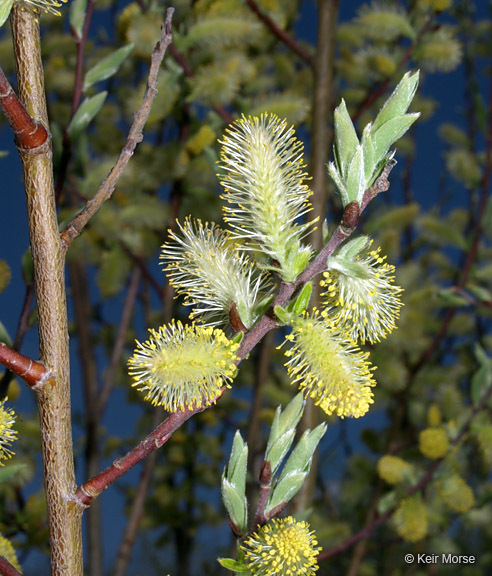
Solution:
(281, 34)
(135, 136)
(29, 134)
(86, 493)
(33, 373)
(6, 568)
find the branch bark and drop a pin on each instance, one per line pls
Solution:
(49, 278)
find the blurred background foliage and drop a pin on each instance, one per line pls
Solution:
(432, 372)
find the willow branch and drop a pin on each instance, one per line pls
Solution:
(28, 133)
(281, 34)
(49, 279)
(135, 136)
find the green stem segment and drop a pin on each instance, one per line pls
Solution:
(49, 276)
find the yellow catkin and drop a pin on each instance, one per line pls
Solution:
(393, 469)
(433, 443)
(456, 493)
(410, 519)
(283, 547)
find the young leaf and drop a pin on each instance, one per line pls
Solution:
(235, 504)
(355, 178)
(5, 8)
(302, 301)
(78, 9)
(353, 247)
(399, 101)
(346, 140)
(85, 114)
(368, 153)
(233, 565)
(107, 67)
(347, 267)
(389, 133)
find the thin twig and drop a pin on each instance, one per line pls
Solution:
(135, 136)
(281, 34)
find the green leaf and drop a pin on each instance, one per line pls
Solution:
(300, 459)
(355, 178)
(450, 297)
(399, 101)
(286, 488)
(353, 247)
(282, 315)
(283, 430)
(487, 219)
(480, 292)
(389, 133)
(299, 263)
(368, 153)
(347, 267)
(5, 8)
(114, 268)
(277, 451)
(480, 383)
(107, 67)
(78, 9)
(441, 232)
(86, 112)
(301, 303)
(235, 504)
(238, 462)
(4, 335)
(8, 472)
(346, 140)
(233, 565)
(263, 305)
(340, 184)
(482, 379)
